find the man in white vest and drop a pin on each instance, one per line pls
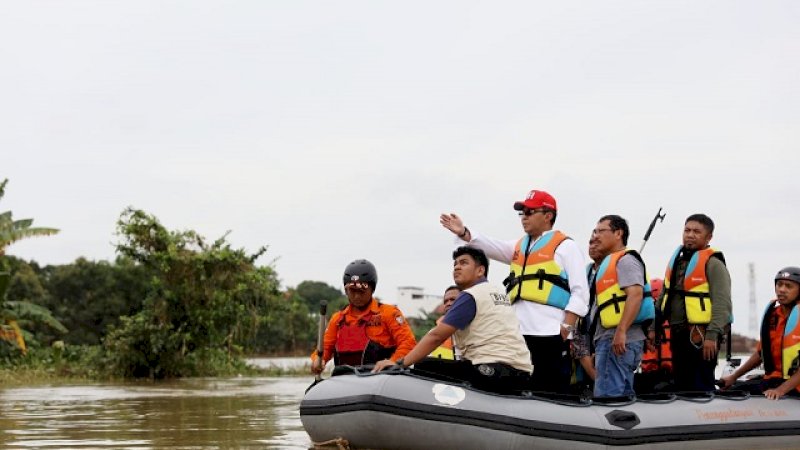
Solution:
(486, 330)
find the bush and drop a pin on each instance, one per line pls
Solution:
(201, 298)
(82, 362)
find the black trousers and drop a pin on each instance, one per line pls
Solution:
(552, 363)
(492, 377)
(691, 372)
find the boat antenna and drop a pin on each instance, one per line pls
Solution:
(658, 217)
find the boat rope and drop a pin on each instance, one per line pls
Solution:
(340, 443)
(552, 397)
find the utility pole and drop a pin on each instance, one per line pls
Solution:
(753, 314)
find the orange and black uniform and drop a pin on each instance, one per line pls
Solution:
(366, 337)
(778, 340)
(659, 358)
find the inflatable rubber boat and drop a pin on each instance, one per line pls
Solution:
(403, 410)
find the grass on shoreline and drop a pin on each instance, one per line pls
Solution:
(83, 365)
(27, 376)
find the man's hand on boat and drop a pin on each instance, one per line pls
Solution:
(726, 382)
(774, 394)
(382, 364)
(316, 365)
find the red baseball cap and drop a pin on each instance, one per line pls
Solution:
(536, 199)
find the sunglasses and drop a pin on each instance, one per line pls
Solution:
(357, 285)
(529, 212)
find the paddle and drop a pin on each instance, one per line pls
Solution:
(658, 324)
(323, 308)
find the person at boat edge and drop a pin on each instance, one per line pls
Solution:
(620, 306)
(366, 330)
(447, 350)
(581, 348)
(656, 366)
(547, 284)
(696, 300)
(495, 357)
(779, 347)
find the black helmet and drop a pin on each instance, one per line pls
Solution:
(791, 273)
(361, 270)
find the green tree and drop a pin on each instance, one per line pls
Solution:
(27, 303)
(281, 325)
(11, 231)
(202, 297)
(312, 292)
(277, 323)
(90, 296)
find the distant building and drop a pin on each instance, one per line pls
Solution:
(414, 302)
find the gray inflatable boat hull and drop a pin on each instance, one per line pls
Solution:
(401, 411)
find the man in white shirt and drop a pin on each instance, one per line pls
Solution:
(547, 285)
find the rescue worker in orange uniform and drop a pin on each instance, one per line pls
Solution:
(656, 366)
(779, 348)
(658, 358)
(366, 331)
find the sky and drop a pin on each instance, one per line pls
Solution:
(333, 131)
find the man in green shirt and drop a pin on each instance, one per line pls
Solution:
(696, 300)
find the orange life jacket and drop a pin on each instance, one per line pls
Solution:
(535, 276)
(353, 347)
(662, 353)
(695, 289)
(789, 338)
(611, 298)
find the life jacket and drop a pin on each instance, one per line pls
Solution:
(610, 297)
(535, 276)
(353, 347)
(661, 355)
(445, 350)
(695, 289)
(790, 342)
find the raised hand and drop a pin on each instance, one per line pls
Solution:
(453, 223)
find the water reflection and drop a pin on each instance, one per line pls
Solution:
(196, 413)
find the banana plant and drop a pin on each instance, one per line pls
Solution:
(13, 230)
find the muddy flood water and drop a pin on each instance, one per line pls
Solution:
(198, 413)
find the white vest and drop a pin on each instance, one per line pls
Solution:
(493, 336)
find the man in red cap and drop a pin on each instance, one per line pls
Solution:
(547, 284)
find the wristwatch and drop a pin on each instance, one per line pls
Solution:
(568, 327)
(399, 362)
